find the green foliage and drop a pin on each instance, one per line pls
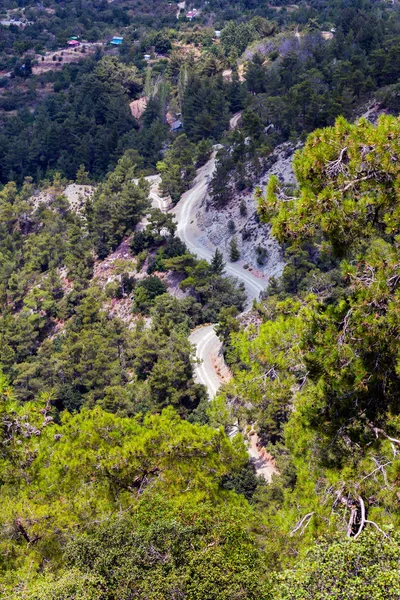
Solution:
(368, 568)
(81, 126)
(146, 291)
(70, 476)
(162, 43)
(204, 149)
(117, 206)
(169, 313)
(205, 107)
(104, 494)
(173, 248)
(220, 189)
(237, 36)
(177, 168)
(203, 553)
(347, 176)
(217, 262)
(319, 375)
(234, 252)
(212, 290)
(160, 227)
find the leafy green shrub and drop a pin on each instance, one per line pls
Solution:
(146, 291)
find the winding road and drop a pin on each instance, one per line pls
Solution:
(185, 213)
(211, 369)
(235, 120)
(208, 351)
(208, 345)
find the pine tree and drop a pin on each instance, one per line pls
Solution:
(82, 176)
(218, 263)
(234, 252)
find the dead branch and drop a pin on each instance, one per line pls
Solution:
(355, 181)
(378, 430)
(211, 545)
(379, 468)
(362, 520)
(299, 525)
(345, 324)
(382, 470)
(22, 530)
(337, 166)
(378, 528)
(352, 520)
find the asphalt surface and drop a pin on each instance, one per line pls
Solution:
(208, 348)
(208, 345)
(235, 120)
(185, 213)
(206, 341)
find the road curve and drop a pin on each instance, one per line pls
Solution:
(155, 196)
(205, 339)
(208, 349)
(235, 120)
(208, 345)
(185, 213)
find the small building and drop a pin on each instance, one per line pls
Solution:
(217, 34)
(191, 14)
(73, 43)
(176, 125)
(147, 57)
(116, 41)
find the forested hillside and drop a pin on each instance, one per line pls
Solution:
(126, 129)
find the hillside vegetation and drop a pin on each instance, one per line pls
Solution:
(119, 477)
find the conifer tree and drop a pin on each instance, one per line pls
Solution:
(217, 262)
(234, 252)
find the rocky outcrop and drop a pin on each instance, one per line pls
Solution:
(259, 251)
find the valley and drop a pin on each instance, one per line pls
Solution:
(199, 300)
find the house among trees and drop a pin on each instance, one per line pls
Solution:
(73, 43)
(192, 14)
(176, 125)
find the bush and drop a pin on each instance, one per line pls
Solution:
(262, 255)
(141, 259)
(138, 242)
(146, 291)
(231, 226)
(173, 247)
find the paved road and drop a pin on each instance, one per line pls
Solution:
(185, 212)
(205, 339)
(235, 120)
(208, 345)
(157, 201)
(208, 348)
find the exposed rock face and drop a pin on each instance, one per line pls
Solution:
(239, 219)
(77, 195)
(138, 107)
